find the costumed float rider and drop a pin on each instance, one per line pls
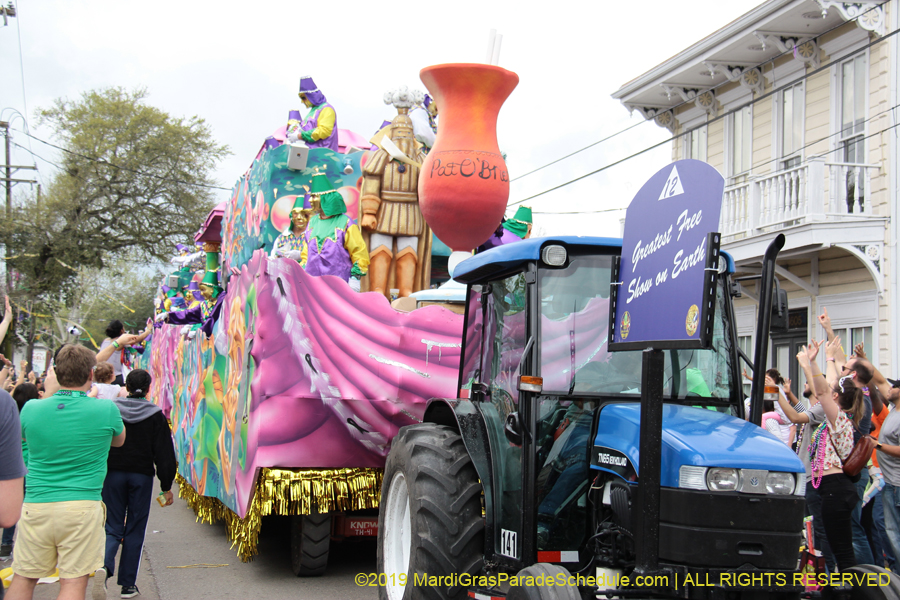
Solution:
(206, 313)
(511, 230)
(333, 243)
(319, 129)
(291, 243)
(193, 297)
(424, 124)
(163, 301)
(184, 259)
(174, 300)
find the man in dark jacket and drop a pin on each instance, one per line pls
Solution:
(128, 488)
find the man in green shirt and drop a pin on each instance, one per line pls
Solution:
(68, 436)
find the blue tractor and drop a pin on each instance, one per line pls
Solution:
(533, 469)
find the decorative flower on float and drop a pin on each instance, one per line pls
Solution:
(236, 328)
(228, 219)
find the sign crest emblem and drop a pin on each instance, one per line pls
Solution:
(673, 185)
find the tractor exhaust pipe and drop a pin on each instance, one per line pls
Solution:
(763, 323)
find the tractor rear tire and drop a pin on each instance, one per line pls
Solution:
(430, 523)
(872, 592)
(543, 592)
(310, 540)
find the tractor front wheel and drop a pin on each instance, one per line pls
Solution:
(430, 522)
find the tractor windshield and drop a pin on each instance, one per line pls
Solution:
(573, 353)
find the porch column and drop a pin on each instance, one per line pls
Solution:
(815, 189)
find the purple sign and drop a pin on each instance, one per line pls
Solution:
(664, 288)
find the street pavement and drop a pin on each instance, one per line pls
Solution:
(176, 547)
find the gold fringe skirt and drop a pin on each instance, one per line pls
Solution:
(287, 492)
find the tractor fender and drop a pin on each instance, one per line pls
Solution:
(465, 417)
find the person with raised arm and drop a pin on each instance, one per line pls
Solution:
(887, 451)
(62, 526)
(875, 388)
(114, 331)
(830, 445)
(810, 419)
(839, 368)
(7, 319)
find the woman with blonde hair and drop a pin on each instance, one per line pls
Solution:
(830, 445)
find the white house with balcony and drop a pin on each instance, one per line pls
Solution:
(796, 104)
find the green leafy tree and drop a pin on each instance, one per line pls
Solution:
(134, 182)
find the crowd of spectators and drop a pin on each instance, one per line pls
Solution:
(71, 454)
(855, 518)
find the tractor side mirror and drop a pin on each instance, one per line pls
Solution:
(513, 429)
(480, 391)
(779, 320)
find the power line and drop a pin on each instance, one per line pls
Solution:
(713, 120)
(765, 162)
(103, 161)
(35, 155)
(827, 137)
(579, 212)
(609, 137)
(586, 175)
(672, 108)
(24, 95)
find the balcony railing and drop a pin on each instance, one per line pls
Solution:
(813, 191)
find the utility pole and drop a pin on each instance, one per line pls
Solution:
(7, 11)
(10, 169)
(5, 126)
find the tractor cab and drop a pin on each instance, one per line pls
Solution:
(536, 362)
(547, 422)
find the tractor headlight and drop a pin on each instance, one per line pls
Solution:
(780, 483)
(555, 255)
(723, 480)
(745, 481)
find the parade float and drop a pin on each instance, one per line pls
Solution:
(288, 402)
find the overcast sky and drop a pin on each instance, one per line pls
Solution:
(237, 65)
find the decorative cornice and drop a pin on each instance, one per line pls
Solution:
(695, 53)
(686, 94)
(732, 71)
(807, 52)
(804, 48)
(782, 40)
(707, 102)
(666, 120)
(748, 75)
(870, 255)
(752, 79)
(663, 117)
(869, 14)
(704, 100)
